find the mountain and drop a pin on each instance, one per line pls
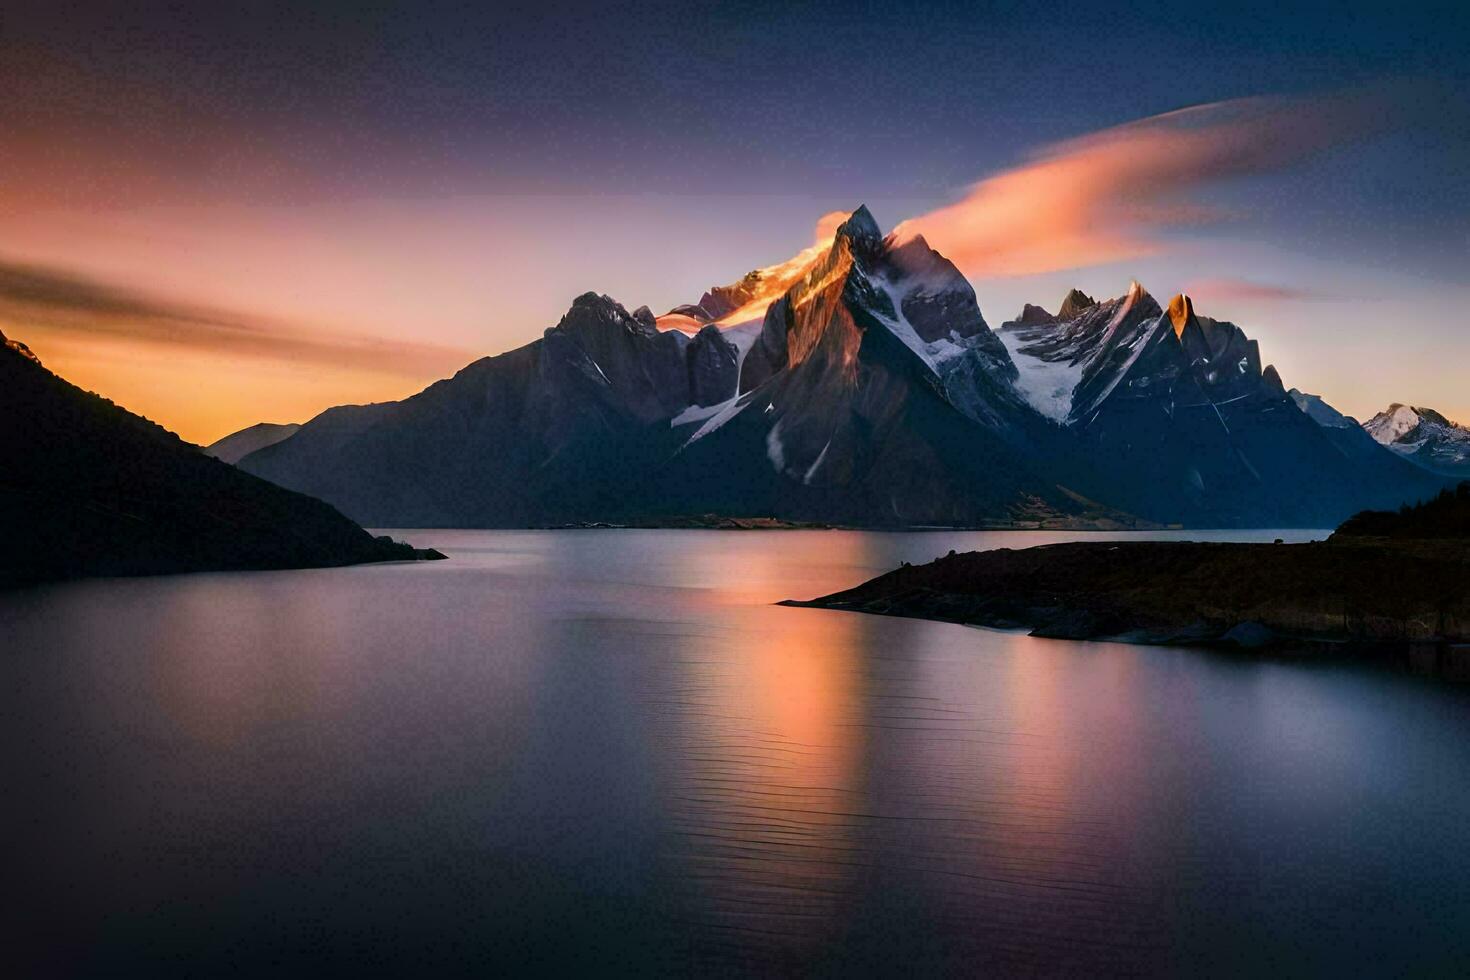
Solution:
(1343, 431)
(1177, 420)
(233, 447)
(875, 394)
(856, 383)
(1067, 361)
(1423, 436)
(1074, 304)
(870, 391)
(1320, 412)
(565, 428)
(92, 489)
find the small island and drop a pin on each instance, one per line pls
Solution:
(1391, 584)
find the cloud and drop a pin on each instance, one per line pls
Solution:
(39, 296)
(1107, 196)
(1224, 289)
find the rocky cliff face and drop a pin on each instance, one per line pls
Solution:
(712, 363)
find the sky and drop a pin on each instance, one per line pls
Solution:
(222, 216)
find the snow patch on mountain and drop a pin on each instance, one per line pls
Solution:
(697, 413)
(1046, 385)
(774, 450)
(743, 335)
(719, 415)
(811, 471)
(934, 354)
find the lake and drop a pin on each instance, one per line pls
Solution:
(608, 751)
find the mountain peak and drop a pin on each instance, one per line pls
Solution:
(1034, 316)
(595, 312)
(1181, 311)
(861, 228)
(1423, 436)
(1074, 304)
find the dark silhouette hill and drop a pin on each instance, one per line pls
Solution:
(1444, 516)
(88, 488)
(1384, 580)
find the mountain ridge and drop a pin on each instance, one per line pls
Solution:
(868, 390)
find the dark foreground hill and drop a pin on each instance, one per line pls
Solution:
(1444, 516)
(88, 488)
(1384, 581)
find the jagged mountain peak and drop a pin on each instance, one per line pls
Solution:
(1074, 304)
(644, 316)
(594, 311)
(1181, 311)
(860, 226)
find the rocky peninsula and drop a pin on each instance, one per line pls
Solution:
(1385, 583)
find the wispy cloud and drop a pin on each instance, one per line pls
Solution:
(1108, 196)
(1226, 289)
(50, 298)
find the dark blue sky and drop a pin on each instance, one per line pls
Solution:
(829, 98)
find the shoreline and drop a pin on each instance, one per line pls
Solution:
(1405, 601)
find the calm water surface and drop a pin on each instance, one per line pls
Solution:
(608, 751)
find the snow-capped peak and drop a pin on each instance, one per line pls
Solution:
(1392, 425)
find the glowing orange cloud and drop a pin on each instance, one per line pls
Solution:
(1104, 197)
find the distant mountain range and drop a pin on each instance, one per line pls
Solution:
(857, 384)
(89, 488)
